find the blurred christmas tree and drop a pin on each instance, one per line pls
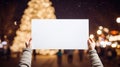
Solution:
(37, 9)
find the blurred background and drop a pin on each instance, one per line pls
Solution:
(104, 28)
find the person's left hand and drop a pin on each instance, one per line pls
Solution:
(28, 44)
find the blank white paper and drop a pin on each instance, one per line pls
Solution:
(60, 33)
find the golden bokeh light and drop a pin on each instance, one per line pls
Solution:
(37, 9)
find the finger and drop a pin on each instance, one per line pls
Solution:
(26, 44)
(92, 41)
(89, 42)
(30, 40)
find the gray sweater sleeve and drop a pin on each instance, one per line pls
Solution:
(26, 57)
(94, 58)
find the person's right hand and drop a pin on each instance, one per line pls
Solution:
(91, 44)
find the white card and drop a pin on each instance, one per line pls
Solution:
(60, 33)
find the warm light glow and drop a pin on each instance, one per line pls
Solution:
(118, 46)
(114, 32)
(91, 36)
(118, 20)
(53, 52)
(15, 23)
(106, 30)
(5, 36)
(103, 43)
(0, 40)
(100, 27)
(114, 45)
(114, 38)
(47, 52)
(99, 32)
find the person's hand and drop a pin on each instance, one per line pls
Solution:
(28, 44)
(91, 44)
